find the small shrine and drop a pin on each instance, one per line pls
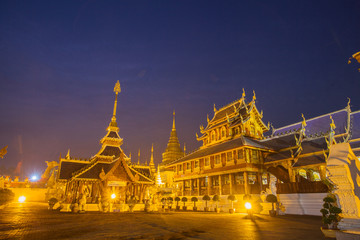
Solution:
(108, 177)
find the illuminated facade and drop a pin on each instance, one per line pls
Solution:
(240, 155)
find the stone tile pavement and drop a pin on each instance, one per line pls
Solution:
(34, 221)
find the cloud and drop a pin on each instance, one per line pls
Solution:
(142, 73)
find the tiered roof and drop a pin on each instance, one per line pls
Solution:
(110, 159)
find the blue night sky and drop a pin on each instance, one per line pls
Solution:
(59, 61)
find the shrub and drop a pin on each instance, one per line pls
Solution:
(6, 195)
(271, 198)
(330, 212)
(206, 198)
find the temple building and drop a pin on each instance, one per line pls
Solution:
(172, 152)
(109, 172)
(241, 155)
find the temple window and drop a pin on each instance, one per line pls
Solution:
(188, 166)
(207, 161)
(226, 179)
(206, 181)
(252, 177)
(264, 179)
(196, 164)
(229, 156)
(223, 132)
(240, 154)
(217, 159)
(254, 156)
(215, 181)
(302, 172)
(252, 130)
(213, 136)
(236, 131)
(187, 183)
(316, 176)
(239, 178)
(180, 167)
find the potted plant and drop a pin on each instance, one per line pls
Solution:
(177, 200)
(216, 199)
(184, 200)
(170, 202)
(206, 198)
(194, 199)
(232, 198)
(52, 202)
(330, 216)
(273, 199)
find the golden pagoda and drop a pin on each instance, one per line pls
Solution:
(173, 150)
(172, 153)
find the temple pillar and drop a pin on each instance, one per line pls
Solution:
(208, 185)
(246, 183)
(231, 183)
(291, 171)
(183, 188)
(259, 179)
(322, 171)
(198, 185)
(220, 185)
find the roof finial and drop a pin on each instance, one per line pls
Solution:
(303, 121)
(214, 108)
(68, 154)
(184, 149)
(348, 104)
(243, 94)
(254, 97)
(117, 89)
(173, 127)
(332, 124)
(207, 118)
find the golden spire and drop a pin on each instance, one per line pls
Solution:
(184, 148)
(139, 157)
(152, 155)
(173, 127)
(117, 89)
(243, 94)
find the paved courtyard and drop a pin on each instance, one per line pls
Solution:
(34, 221)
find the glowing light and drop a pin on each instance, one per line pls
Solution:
(248, 205)
(113, 196)
(22, 199)
(34, 178)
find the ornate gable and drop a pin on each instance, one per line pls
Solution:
(233, 120)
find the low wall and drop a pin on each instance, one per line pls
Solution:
(31, 194)
(302, 203)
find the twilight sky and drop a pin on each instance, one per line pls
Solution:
(59, 61)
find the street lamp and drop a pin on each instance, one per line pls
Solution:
(22, 199)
